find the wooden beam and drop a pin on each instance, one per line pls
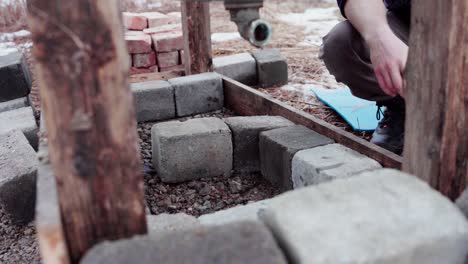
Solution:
(197, 36)
(247, 101)
(436, 143)
(82, 67)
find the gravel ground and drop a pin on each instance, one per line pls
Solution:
(202, 196)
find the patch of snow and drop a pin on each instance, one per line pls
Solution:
(11, 36)
(225, 36)
(7, 48)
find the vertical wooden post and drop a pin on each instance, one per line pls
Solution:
(436, 144)
(82, 66)
(197, 36)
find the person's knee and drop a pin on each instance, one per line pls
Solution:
(337, 47)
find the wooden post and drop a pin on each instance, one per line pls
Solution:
(82, 67)
(197, 36)
(436, 144)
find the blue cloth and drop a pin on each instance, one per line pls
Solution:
(400, 6)
(360, 114)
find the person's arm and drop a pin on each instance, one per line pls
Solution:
(388, 52)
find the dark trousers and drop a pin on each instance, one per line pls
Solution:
(347, 57)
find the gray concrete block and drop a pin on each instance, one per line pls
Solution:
(272, 67)
(163, 223)
(248, 212)
(241, 67)
(382, 216)
(13, 104)
(327, 163)
(231, 244)
(154, 101)
(245, 134)
(278, 147)
(15, 80)
(22, 119)
(197, 94)
(18, 167)
(462, 203)
(193, 149)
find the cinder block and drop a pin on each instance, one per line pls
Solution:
(170, 41)
(197, 94)
(144, 60)
(164, 29)
(249, 212)
(241, 67)
(462, 203)
(278, 147)
(382, 216)
(272, 68)
(154, 101)
(246, 242)
(168, 59)
(158, 224)
(14, 104)
(245, 137)
(134, 21)
(18, 167)
(156, 19)
(193, 149)
(328, 163)
(15, 80)
(22, 119)
(138, 43)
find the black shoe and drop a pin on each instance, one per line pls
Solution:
(390, 133)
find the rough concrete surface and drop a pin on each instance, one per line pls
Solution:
(245, 138)
(13, 104)
(278, 147)
(241, 67)
(382, 216)
(462, 203)
(154, 101)
(197, 94)
(248, 212)
(272, 67)
(18, 167)
(162, 223)
(244, 242)
(327, 163)
(22, 119)
(193, 149)
(15, 80)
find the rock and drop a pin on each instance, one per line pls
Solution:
(278, 147)
(197, 94)
(241, 67)
(462, 203)
(327, 163)
(193, 149)
(18, 167)
(134, 21)
(163, 223)
(22, 119)
(272, 67)
(168, 59)
(14, 104)
(245, 136)
(382, 216)
(154, 101)
(168, 41)
(231, 244)
(138, 43)
(144, 60)
(15, 80)
(248, 212)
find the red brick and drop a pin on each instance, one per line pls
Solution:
(156, 19)
(135, 21)
(168, 59)
(144, 60)
(177, 68)
(138, 43)
(164, 29)
(170, 41)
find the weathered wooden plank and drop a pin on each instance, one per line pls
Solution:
(82, 67)
(197, 36)
(247, 101)
(436, 144)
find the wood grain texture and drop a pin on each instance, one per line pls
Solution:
(247, 101)
(197, 36)
(82, 67)
(436, 144)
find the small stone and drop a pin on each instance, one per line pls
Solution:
(235, 187)
(205, 190)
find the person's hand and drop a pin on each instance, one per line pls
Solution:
(388, 55)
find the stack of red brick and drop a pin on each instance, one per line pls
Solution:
(154, 41)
